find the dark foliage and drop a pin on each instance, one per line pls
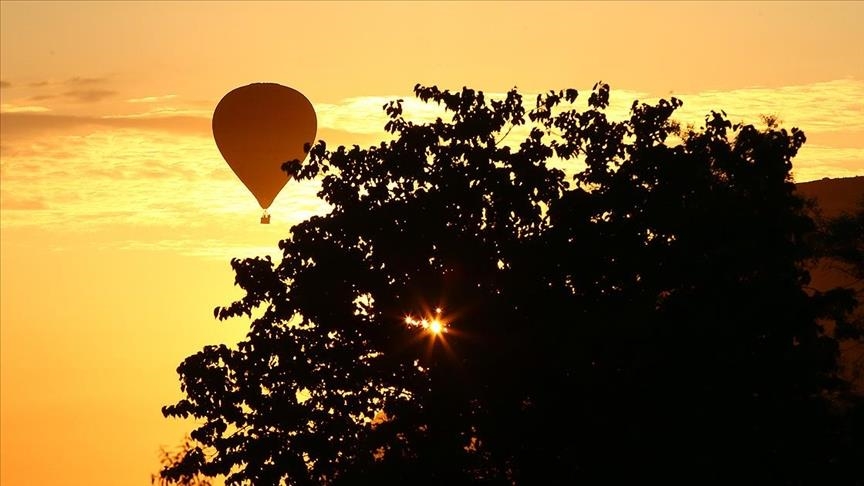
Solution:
(840, 244)
(644, 322)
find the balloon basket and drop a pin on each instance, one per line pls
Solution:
(265, 218)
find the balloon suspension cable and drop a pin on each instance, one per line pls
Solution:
(265, 218)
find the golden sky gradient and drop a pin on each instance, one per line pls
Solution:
(118, 214)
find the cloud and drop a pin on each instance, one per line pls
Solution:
(211, 248)
(30, 124)
(152, 99)
(163, 112)
(12, 203)
(10, 108)
(73, 82)
(43, 97)
(112, 176)
(141, 189)
(817, 161)
(818, 107)
(155, 179)
(80, 95)
(20, 124)
(84, 81)
(88, 95)
(5, 84)
(365, 114)
(75, 90)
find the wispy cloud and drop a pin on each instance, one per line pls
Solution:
(209, 248)
(10, 108)
(77, 95)
(15, 203)
(157, 186)
(152, 99)
(84, 81)
(76, 81)
(819, 107)
(64, 94)
(163, 112)
(817, 161)
(366, 114)
(25, 125)
(88, 95)
(157, 180)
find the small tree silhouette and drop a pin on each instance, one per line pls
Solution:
(466, 314)
(169, 458)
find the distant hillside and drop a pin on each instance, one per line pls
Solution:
(835, 196)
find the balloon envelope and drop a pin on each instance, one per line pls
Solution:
(259, 127)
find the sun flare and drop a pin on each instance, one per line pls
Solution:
(433, 325)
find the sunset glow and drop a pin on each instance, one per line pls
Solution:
(118, 214)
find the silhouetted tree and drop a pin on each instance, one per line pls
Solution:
(646, 321)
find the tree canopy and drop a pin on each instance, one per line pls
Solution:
(618, 300)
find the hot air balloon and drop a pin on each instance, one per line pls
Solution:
(259, 127)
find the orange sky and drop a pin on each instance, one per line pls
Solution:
(118, 215)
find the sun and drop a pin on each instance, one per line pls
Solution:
(435, 327)
(432, 325)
